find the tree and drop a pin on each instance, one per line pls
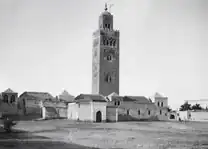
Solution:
(184, 107)
(196, 107)
(8, 124)
(169, 109)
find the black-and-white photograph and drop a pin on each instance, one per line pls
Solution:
(103, 74)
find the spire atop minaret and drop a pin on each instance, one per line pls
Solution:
(106, 7)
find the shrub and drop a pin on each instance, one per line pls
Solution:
(8, 124)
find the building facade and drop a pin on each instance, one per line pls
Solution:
(133, 108)
(8, 103)
(105, 62)
(41, 105)
(161, 103)
(88, 107)
(30, 102)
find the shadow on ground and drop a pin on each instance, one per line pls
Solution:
(40, 145)
(20, 139)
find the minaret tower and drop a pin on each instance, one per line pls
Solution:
(105, 61)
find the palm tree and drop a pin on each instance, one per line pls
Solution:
(197, 107)
(186, 106)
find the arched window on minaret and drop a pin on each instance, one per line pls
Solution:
(111, 42)
(104, 41)
(109, 57)
(109, 79)
(108, 26)
(107, 42)
(114, 43)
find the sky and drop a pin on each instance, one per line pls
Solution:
(46, 46)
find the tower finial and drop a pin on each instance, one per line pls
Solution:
(106, 7)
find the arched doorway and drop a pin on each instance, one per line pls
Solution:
(98, 116)
(172, 116)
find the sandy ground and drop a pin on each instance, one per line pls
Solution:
(66, 134)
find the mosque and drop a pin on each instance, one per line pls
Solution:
(105, 103)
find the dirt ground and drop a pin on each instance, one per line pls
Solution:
(65, 134)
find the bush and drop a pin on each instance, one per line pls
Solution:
(8, 124)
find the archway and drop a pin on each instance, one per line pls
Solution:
(98, 116)
(172, 116)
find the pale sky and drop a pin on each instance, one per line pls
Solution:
(46, 45)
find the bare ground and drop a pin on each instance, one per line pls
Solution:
(64, 134)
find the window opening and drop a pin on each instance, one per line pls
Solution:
(12, 99)
(6, 100)
(109, 57)
(138, 112)
(127, 112)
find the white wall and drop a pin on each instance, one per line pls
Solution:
(183, 115)
(85, 111)
(99, 106)
(72, 111)
(199, 116)
(193, 116)
(43, 112)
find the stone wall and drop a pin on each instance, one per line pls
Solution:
(130, 111)
(112, 114)
(162, 114)
(33, 110)
(8, 109)
(49, 112)
(62, 112)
